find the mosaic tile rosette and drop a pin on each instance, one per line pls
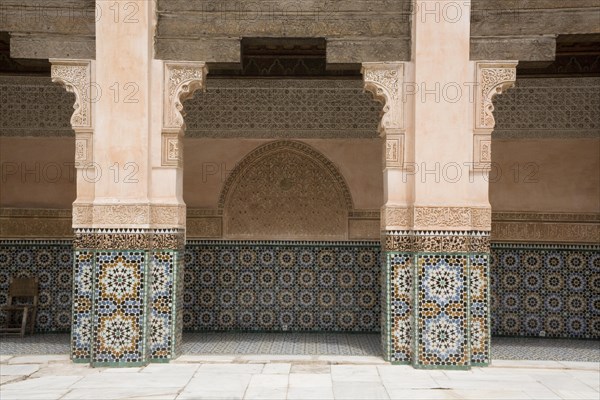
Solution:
(120, 308)
(441, 311)
(282, 286)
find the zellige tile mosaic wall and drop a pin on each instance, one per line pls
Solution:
(282, 286)
(536, 290)
(543, 290)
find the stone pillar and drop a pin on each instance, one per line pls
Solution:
(436, 218)
(129, 216)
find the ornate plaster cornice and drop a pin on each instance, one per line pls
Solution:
(35, 223)
(438, 218)
(128, 215)
(76, 76)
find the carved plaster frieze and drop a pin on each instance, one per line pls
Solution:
(396, 217)
(527, 216)
(385, 81)
(181, 80)
(439, 218)
(129, 239)
(167, 215)
(453, 218)
(76, 77)
(172, 154)
(128, 215)
(394, 151)
(204, 227)
(436, 241)
(35, 223)
(83, 215)
(546, 232)
(363, 229)
(84, 152)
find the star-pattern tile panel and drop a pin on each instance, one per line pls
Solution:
(120, 307)
(551, 291)
(441, 311)
(284, 287)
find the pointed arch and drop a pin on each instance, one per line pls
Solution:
(286, 189)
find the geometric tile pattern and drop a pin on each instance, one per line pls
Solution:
(441, 311)
(81, 332)
(313, 343)
(479, 291)
(401, 305)
(282, 286)
(284, 343)
(163, 314)
(282, 109)
(546, 290)
(120, 307)
(52, 263)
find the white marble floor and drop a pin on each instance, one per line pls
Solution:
(293, 377)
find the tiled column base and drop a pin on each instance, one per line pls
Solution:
(126, 309)
(437, 299)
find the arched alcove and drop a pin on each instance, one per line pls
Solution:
(285, 190)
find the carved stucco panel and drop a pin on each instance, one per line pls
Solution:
(286, 190)
(181, 80)
(385, 81)
(492, 79)
(76, 76)
(396, 217)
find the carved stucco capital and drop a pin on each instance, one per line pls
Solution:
(182, 79)
(493, 77)
(385, 81)
(76, 77)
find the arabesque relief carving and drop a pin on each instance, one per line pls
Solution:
(384, 81)
(181, 80)
(444, 218)
(288, 190)
(76, 77)
(493, 78)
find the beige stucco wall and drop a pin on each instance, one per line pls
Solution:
(546, 175)
(208, 161)
(37, 172)
(566, 172)
(545, 127)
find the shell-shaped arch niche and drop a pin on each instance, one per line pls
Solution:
(285, 190)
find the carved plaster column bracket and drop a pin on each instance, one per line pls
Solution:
(385, 81)
(492, 78)
(76, 77)
(181, 80)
